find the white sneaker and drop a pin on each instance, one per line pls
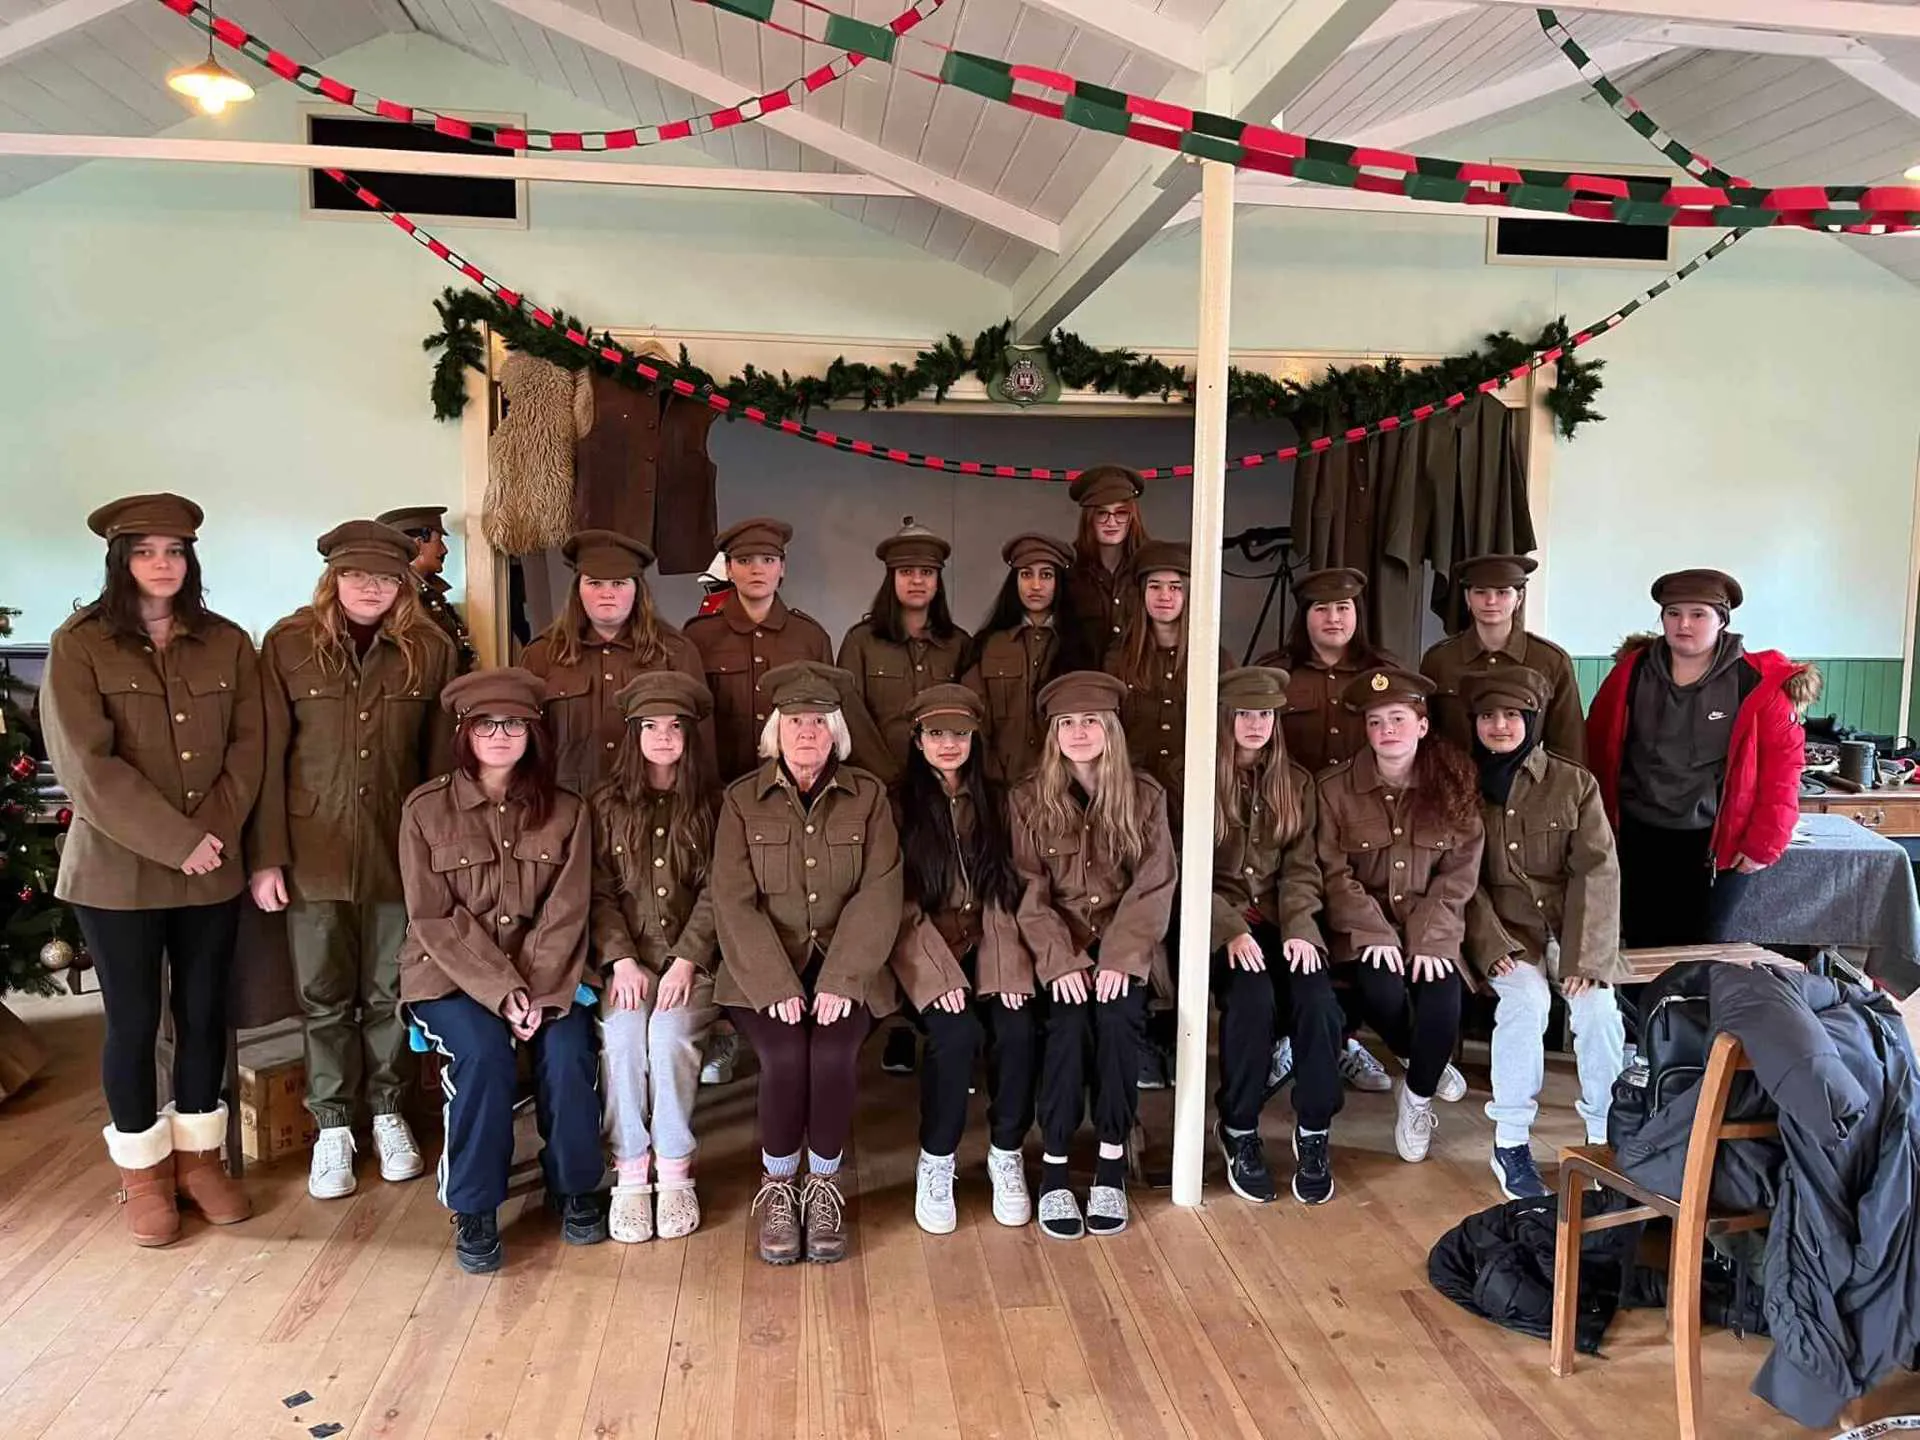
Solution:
(1007, 1169)
(1452, 1087)
(718, 1069)
(933, 1207)
(331, 1174)
(1413, 1125)
(399, 1152)
(630, 1214)
(1361, 1071)
(1280, 1064)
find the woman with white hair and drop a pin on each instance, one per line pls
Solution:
(807, 898)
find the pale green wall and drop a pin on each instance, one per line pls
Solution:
(184, 328)
(1761, 417)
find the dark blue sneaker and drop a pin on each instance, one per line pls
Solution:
(1519, 1179)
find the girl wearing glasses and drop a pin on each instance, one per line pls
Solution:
(497, 864)
(350, 685)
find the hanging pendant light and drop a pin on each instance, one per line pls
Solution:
(210, 85)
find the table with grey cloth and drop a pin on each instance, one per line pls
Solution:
(1839, 886)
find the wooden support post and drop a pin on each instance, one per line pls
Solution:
(1203, 678)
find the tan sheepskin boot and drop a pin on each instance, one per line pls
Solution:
(199, 1176)
(145, 1159)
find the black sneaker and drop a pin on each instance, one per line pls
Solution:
(901, 1053)
(1519, 1177)
(1246, 1161)
(1312, 1168)
(583, 1219)
(476, 1243)
(1154, 1073)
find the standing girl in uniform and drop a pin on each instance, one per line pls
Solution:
(351, 685)
(653, 949)
(1032, 634)
(151, 709)
(1110, 532)
(1266, 941)
(1095, 859)
(607, 634)
(1399, 836)
(960, 959)
(497, 863)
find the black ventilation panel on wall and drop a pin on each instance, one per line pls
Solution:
(454, 196)
(1524, 236)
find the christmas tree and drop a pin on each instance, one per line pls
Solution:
(31, 920)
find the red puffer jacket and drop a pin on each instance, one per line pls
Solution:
(1760, 799)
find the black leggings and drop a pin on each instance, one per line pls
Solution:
(1426, 1037)
(1257, 1005)
(128, 946)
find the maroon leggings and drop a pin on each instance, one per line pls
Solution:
(807, 1078)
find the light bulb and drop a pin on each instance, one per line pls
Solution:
(210, 86)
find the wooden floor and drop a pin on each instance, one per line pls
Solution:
(1226, 1320)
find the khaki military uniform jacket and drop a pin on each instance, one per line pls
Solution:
(433, 592)
(888, 677)
(736, 653)
(1072, 897)
(344, 750)
(670, 917)
(791, 884)
(1320, 730)
(1280, 884)
(1102, 599)
(494, 904)
(1013, 667)
(927, 958)
(583, 713)
(1550, 883)
(1390, 880)
(157, 748)
(1154, 716)
(1563, 729)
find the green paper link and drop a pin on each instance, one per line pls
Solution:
(1207, 147)
(1435, 187)
(1091, 115)
(846, 33)
(761, 10)
(988, 78)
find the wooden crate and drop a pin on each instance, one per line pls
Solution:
(273, 1089)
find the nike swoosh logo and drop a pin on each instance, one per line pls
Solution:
(1716, 715)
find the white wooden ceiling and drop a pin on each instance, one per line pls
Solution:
(1424, 69)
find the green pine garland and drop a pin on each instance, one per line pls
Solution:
(1357, 394)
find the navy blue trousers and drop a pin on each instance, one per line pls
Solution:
(478, 1080)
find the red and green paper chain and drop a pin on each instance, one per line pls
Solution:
(604, 348)
(510, 137)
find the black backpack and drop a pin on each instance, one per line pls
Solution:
(1675, 1030)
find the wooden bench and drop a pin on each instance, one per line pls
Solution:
(1693, 1215)
(1653, 963)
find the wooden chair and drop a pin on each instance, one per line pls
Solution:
(1694, 1219)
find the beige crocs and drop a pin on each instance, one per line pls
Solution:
(679, 1213)
(630, 1217)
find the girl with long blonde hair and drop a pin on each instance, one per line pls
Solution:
(607, 634)
(654, 953)
(1095, 861)
(351, 684)
(1268, 952)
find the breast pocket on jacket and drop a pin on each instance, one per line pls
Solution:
(1543, 844)
(406, 718)
(767, 842)
(730, 678)
(846, 852)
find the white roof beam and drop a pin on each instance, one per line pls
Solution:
(1881, 78)
(829, 139)
(1861, 18)
(1409, 16)
(1274, 192)
(1135, 26)
(1263, 57)
(1744, 39)
(364, 160)
(51, 23)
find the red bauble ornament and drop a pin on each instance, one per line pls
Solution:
(22, 768)
(64, 815)
(25, 897)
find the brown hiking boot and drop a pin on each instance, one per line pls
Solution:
(826, 1213)
(778, 1205)
(198, 1175)
(145, 1161)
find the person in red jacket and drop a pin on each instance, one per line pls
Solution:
(1697, 745)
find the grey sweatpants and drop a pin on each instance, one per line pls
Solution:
(650, 1068)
